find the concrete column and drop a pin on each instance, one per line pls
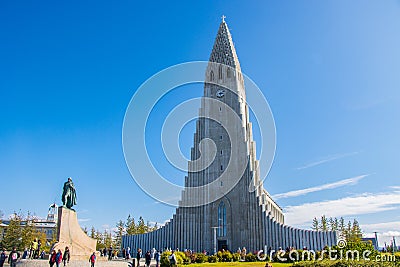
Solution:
(297, 234)
(264, 228)
(328, 239)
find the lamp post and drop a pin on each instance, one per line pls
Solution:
(215, 238)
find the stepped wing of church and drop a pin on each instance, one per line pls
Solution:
(225, 208)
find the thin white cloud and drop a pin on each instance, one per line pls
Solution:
(366, 203)
(82, 211)
(301, 192)
(381, 227)
(327, 159)
(84, 220)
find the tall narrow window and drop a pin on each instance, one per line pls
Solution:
(220, 72)
(221, 219)
(211, 76)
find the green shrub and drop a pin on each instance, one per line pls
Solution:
(200, 258)
(181, 258)
(236, 257)
(212, 259)
(164, 261)
(227, 256)
(250, 257)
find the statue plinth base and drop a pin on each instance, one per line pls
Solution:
(71, 235)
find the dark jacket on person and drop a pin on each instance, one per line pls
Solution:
(14, 256)
(52, 258)
(66, 255)
(59, 257)
(157, 256)
(92, 258)
(147, 256)
(3, 257)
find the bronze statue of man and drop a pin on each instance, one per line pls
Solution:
(69, 194)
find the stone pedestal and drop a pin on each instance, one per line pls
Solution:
(70, 234)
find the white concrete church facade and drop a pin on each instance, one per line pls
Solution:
(240, 217)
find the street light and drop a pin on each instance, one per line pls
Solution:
(215, 238)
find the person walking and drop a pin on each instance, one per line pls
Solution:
(37, 252)
(33, 249)
(110, 253)
(147, 257)
(3, 257)
(172, 259)
(52, 258)
(157, 258)
(66, 256)
(124, 253)
(92, 259)
(138, 256)
(14, 256)
(59, 258)
(128, 253)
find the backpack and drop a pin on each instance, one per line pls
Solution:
(14, 256)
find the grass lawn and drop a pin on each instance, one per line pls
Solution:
(238, 264)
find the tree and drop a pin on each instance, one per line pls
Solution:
(28, 232)
(342, 228)
(141, 228)
(355, 233)
(324, 223)
(99, 238)
(13, 236)
(351, 231)
(119, 233)
(130, 226)
(92, 232)
(155, 227)
(333, 224)
(347, 232)
(315, 224)
(107, 239)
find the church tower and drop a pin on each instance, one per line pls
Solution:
(217, 210)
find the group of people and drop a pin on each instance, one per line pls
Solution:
(58, 257)
(12, 258)
(35, 249)
(147, 257)
(110, 253)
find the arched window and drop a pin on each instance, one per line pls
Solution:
(220, 72)
(211, 76)
(228, 72)
(221, 219)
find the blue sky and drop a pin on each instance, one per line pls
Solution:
(329, 70)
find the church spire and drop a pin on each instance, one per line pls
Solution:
(224, 51)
